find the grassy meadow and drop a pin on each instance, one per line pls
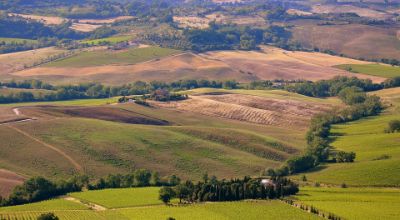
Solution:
(372, 69)
(48, 205)
(353, 203)
(111, 40)
(123, 57)
(377, 153)
(121, 198)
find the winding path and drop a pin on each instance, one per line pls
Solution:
(77, 166)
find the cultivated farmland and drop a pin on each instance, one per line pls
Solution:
(353, 203)
(142, 203)
(119, 138)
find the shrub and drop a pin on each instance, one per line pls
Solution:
(393, 126)
(344, 157)
(48, 216)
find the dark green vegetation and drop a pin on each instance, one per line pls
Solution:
(226, 37)
(159, 90)
(16, 27)
(233, 190)
(333, 87)
(38, 188)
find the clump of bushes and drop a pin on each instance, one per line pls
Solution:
(393, 126)
(345, 157)
(163, 95)
(48, 216)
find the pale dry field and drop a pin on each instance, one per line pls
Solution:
(244, 66)
(104, 21)
(12, 62)
(287, 113)
(363, 12)
(84, 27)
(192, 22)
(293, 11)
(274, 63)
(181, 66)
(48, 20)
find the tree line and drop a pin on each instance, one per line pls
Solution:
(318, 149)
(229, 190)
(39, 188)
(332, 87)
(96, 90)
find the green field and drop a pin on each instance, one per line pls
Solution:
(142, 203)
(223, 210)
(354, 203)
(372, 69)
(17, 40)
(121, 198)
(98, 58)
(111, 40)
(378, 153)
(77, 102)
(54, 204)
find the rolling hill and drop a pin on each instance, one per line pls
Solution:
(152, 63)
(121, 138)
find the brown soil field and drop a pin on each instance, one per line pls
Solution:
(8, 180)
(48, 20)
(102, 113)
(104, 21)
(354, 40)
(84, 27)
(363, 12)
(253, 109)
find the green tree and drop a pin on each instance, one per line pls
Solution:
(166, 194)
(182, 192)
